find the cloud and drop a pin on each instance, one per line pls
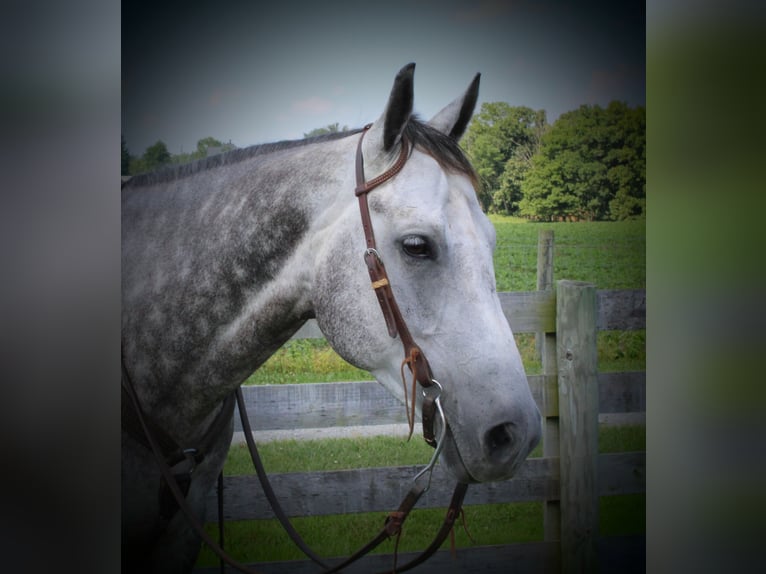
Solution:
(313, 106)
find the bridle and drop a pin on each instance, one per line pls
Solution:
(431, 408)
(414, 357)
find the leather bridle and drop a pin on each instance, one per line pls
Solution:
(414, 358)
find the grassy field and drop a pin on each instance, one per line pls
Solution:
(264, 540)
(610, 255)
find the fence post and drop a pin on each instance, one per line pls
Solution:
(545, 346)
(551, 508)
(578, 418)
(544, 276)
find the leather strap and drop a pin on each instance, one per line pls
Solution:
(392, 526)
(181, 460)
(268, 490)
(414, 357)
(377, 271)
(454, 510)
(172, 484)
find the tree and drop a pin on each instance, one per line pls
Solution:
(210, 144)
(590, 165)
(156, 156)
(627, 164)
(499, 134)
(205, 146)
(329, 129)
(124, 157)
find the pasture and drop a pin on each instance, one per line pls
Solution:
(610, 255)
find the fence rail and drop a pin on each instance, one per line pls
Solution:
(317, 493)
(366, 403)
(535, 311)
(569, 477)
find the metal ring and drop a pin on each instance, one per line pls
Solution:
(439, 392)
(439, 444)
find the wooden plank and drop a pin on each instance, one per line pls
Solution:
(621, 473)
(532, 311)
(546, 388)
(621, 310)
(320, 405)
(551, 447)
(537, 384)
(622, 392)
(529, 312)
(621, 419)
(544, 276)
(535, 311)
(323, 405)
(578, 416)
(374, 490)
(381, 489)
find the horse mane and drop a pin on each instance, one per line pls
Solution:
(178, 171)
(444, 149)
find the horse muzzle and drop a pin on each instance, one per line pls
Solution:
(490, 452)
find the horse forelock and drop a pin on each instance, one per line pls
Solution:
(443, 148)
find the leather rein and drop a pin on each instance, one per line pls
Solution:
(414, 358)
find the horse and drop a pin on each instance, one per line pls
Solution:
(224, 259)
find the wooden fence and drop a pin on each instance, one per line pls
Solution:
(568, 478)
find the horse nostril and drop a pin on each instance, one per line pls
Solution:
(499, 441)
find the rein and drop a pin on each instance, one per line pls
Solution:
(414, 358)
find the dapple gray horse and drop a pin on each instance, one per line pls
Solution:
(224, 259)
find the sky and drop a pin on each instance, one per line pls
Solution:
(253, 72)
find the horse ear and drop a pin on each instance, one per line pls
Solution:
(388, 129)
(453, 119)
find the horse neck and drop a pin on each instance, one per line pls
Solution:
(228, 273)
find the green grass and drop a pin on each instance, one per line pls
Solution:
(264, 540)
(345, 453)
(611, 255)
(330, 454)
(306, 361)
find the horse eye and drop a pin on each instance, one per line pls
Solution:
(416, 246)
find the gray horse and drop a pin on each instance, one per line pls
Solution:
(224, 259)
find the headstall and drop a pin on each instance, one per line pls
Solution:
(414, 357)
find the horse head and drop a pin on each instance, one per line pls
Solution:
(436, 245)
